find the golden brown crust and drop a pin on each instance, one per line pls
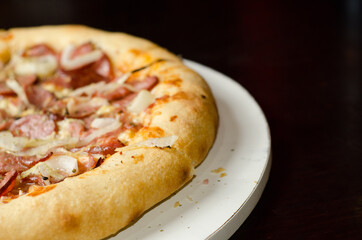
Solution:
(102, 201)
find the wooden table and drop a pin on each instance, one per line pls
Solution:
(301, 60)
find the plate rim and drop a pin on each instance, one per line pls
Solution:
(264, 176)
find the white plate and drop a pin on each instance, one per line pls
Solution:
(213, 206)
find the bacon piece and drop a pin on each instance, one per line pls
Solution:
(40, 97)
(86, 163)
(18, 163)
(116, 94)
(5, 122)
(8, 182)
(26, 80)
(82, 49)
(38, 50)
(5, 90)
(104, 68)
(60, 79)
(81, 107)
(76, 128)
(29, 180)
(148, 83)
(121, 105)
(105, 146)
(100, 70)
(89, 74)
(33, 126)
(9, 162)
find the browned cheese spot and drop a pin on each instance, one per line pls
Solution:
(175, 82)
(135, 51)
(6, 36)
(173, 118)
(140, 53)
(152, 132)
(137, 158)
(163, 99)
(37, 190)
(180, 96)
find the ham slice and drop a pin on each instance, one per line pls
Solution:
(40, 97)
(7, 184)
(19, 163)
(26, 80)
(146, 84)
(5, 90)
(33, 126)
(5, 121)
(99, 70)
(38, 50)
(105, 146)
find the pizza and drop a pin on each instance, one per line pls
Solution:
(95, 129)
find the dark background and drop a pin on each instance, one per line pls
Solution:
(301, 60)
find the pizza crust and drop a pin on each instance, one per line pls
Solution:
(100, 202)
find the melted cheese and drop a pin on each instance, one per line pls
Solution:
(59, 92)
(11, 108)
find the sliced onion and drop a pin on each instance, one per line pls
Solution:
(10, 143)
(15, 86)
(63, 163)
(81, 104)
(57, 167)
(143, 99)
(102, 122)
(89, 89)
(69, 63)
(46, 145)
(41, 66)
(102, 87)
(130, 87)
(122, 79)
(100, 132)
(163, 142)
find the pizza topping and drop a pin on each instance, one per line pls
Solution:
(41, 66)
(26, 80)
(164, 142)
(5, 90)
(70, 128)
(148, 83)
(85, 65)
(18, 163)
(8, 182)
(14, 85)
(95, 133)
(71, 59)
(33, 126)
(39, 50)
(55, 168)
(40, 97)
(105, 146)
(84, 106)
(101, 122)
(141, 101)
(61, 114)
(105, 90)
(10, 143)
